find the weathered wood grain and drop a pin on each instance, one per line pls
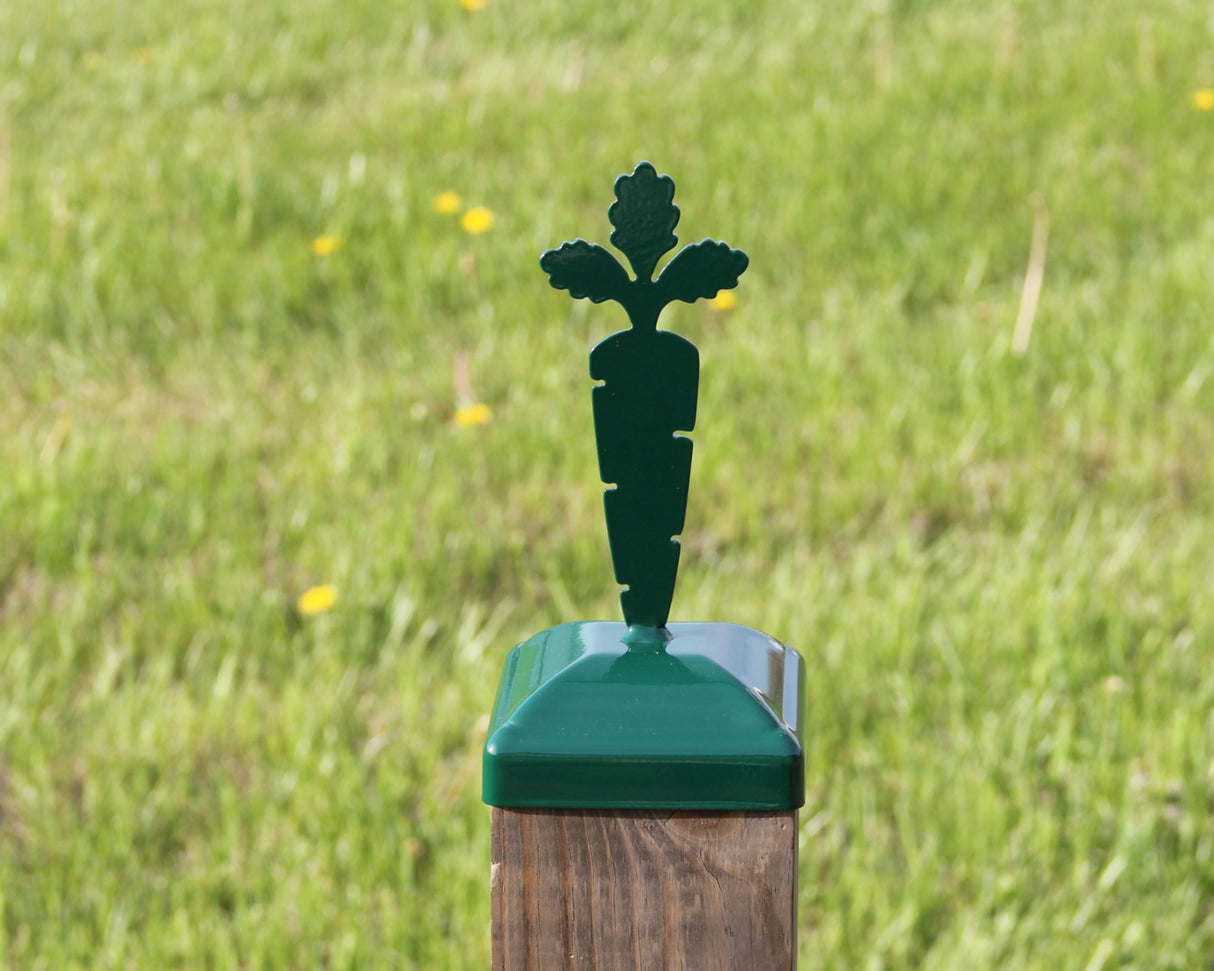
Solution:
(612, 890)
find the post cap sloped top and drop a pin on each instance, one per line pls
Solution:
(705, 718)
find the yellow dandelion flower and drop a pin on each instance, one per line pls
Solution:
(1203, 99)
(473, 5)
(468, 415)
(326, 245)
(725, 300)
(448, 203)
(316, 600)
(477, 220)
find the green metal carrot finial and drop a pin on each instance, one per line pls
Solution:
(650, 380)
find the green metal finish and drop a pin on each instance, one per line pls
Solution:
(693, 716)
(650, 380)
(646, 714)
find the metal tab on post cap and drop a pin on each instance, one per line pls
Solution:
(650, 379)
(598, 715)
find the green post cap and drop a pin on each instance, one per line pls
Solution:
(644, 714)
(696, 716)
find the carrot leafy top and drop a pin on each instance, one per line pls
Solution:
(644, 216)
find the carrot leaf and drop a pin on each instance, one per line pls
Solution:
(702, 270)
(585, 270)
(644, 218)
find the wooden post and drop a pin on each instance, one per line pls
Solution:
(640, 890)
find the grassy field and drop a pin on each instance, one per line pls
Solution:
(237, 348)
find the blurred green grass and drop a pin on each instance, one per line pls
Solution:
(996, 567)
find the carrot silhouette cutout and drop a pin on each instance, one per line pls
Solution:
(650, 380)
